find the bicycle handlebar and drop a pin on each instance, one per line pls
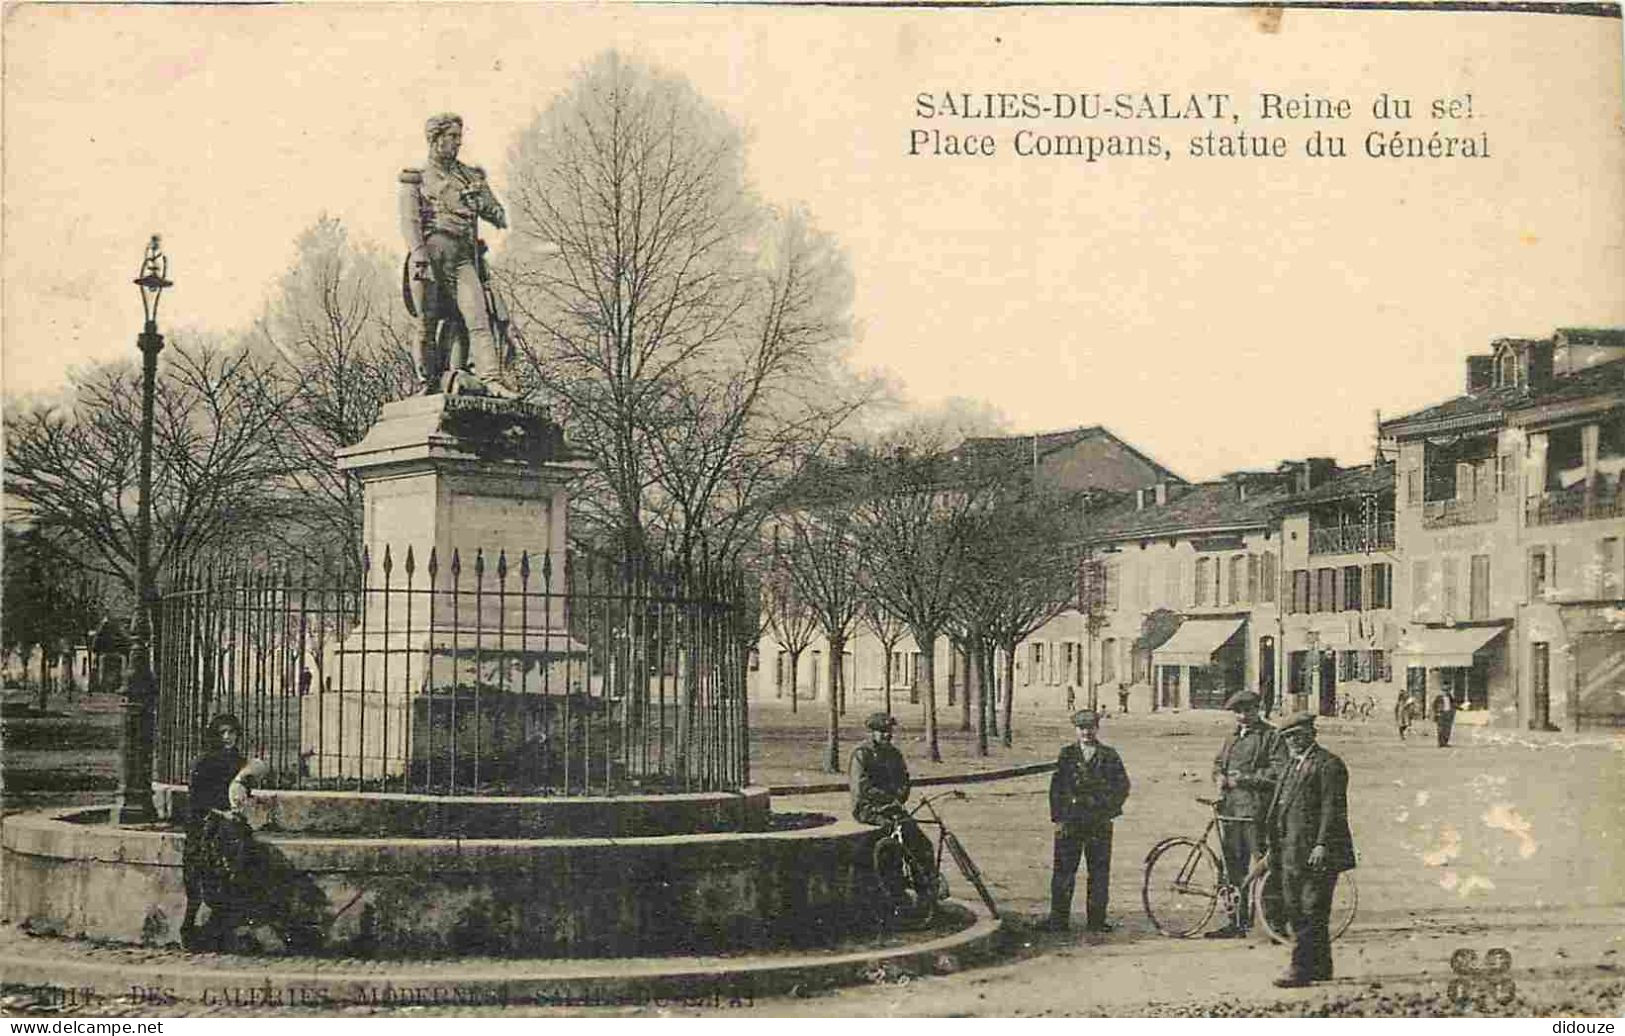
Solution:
(1215, 804)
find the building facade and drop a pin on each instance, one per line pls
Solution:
(1338, 627)
(1509, 523)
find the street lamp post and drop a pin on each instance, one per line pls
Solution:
(134, 805)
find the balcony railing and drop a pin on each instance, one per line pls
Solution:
(1441, 513)
(1351, 539)
(1602, 498)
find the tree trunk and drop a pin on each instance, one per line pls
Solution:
(990, 681)
(963, 652)
(837, 694)
(795, 663)
(976, 676)
(44, 679)
(928, 660)
(885, 669)
(838, 660)
(1009, 689)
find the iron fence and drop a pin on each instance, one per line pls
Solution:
(482, 676)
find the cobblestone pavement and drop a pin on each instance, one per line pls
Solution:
(1504, 840)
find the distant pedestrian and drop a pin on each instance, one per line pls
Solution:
(1444, 716)
(1404, 712)
(1086, 794)
(1122, 698)
(1309, 846)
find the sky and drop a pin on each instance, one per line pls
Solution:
(1218, 313)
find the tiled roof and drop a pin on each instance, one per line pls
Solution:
(1019, 449)
(1355, 482)
(1486, 406)
(1210, 505)
(1593, 335)
(1491, 405)
(1593, 381)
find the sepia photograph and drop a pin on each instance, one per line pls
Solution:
(648, 510)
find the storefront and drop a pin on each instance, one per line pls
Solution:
(1207, 659)
(1465, 662)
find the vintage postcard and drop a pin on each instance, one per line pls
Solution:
(645, 510)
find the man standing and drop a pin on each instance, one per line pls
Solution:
(1086, 793)
(440, 206)
(1444, 716)
(1245, 772)
(1404, 712)
(880, 784)
(1309, 845)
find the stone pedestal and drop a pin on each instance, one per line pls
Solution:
(462, 652)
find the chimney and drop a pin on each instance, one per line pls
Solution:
(1318, 471)
(1539, 358)
(1480, 373)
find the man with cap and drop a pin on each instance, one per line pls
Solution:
(1245, 772)
(880, 784)
(1309, 846)
(1086, 794)
(440, 206)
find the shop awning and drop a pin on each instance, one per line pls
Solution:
(1446, 648)
(1196, 641)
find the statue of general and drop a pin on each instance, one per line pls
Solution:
(462, 338)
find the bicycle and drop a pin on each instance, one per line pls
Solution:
(891, 858)
(1184, 885)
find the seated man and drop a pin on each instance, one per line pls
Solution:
(218, 839)
(880, 786)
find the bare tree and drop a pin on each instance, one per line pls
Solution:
(789, 617)
(689, 336)
(48, 604)
(72, 466)
(340, 343)
(910, 528)
(822, 561)
(1020, 565)
(888, 630)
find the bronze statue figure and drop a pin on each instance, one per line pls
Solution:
(463, 331)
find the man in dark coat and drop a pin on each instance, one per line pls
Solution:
(1444, 716)
(879, 781)
(208, 804)
(1086, 793)
(1245, 772)
(1310, 845)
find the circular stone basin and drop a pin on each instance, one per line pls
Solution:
(447, 816)
(69, 872)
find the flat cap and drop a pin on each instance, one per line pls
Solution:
(880, 721)
(1304, 720)
(1241, 699)
(1086, 718)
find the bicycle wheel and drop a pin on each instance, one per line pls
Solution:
(968, 868)
(1181, 890)
(1270, 910)
(901, 878)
